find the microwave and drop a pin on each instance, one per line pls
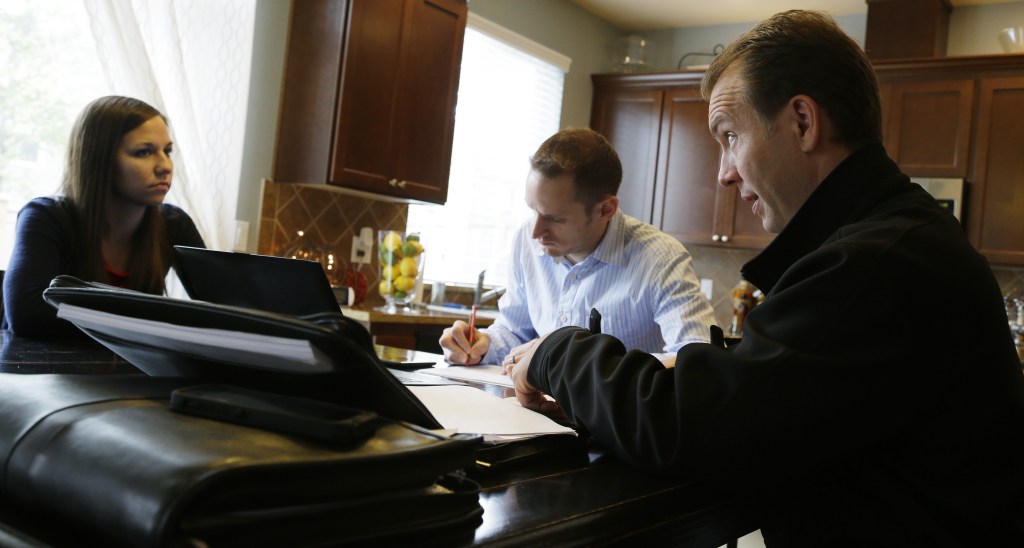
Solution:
(949, 192)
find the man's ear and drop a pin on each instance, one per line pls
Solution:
(607, 207)
(809, 121)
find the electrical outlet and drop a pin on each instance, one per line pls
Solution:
(359, 253)
(362, 246)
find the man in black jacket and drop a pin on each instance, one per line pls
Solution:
(876, 397)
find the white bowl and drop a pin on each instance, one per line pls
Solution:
(1012, 39)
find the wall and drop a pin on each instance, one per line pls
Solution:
(671, 44)
(269, 39)
(974, 30)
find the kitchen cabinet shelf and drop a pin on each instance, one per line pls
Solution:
(368, 101)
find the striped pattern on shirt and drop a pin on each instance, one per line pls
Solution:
(640, 279)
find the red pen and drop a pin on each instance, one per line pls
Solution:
(472, 326)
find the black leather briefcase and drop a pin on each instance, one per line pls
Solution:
(106, 455)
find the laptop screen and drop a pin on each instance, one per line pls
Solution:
(274, 284)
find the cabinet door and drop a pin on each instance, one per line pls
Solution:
(423, 124)
(363, 152)
(686, 185)
(399, 82)
(631, 120)
(689, 203)
(996, 188)
(929, 126)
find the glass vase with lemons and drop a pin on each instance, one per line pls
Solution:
(401, 258)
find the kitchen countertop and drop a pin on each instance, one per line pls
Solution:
(418, 316)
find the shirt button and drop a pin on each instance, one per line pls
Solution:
(563, 318)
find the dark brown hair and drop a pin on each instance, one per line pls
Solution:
(89, 177)
(588, 157)
(805, 52)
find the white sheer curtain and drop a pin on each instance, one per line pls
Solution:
(191, 59)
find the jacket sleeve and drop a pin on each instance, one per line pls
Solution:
(40, 253)
(810, 384)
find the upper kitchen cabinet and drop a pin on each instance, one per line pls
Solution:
(928, 124)
(959, 117)
(658, 123)
(368, 100)
(996, 204)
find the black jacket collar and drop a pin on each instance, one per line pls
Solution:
(853, 188)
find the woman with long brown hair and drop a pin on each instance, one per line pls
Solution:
(109, 224)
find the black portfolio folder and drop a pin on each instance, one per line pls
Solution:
(343, 367)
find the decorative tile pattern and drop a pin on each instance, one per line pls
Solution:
(329, 217)
(722, 267)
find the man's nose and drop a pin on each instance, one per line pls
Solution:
(538, 228)
(727, 174)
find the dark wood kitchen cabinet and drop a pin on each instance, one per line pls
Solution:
(658, 123)
(368, 100)
(927, 125)
(960, 117)
(996, 205)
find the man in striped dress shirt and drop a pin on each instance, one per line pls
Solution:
(581, 253)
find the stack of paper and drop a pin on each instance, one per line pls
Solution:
(471, 410)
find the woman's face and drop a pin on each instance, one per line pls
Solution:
(144, 164)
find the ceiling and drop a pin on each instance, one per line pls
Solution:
(662, 14)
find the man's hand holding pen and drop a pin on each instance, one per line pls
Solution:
(464, 344)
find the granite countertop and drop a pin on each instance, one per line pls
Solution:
(420, 315)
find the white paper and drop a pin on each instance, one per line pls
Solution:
(297, 355)
(473, 411)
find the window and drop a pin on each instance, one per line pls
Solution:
(510, 100)
(49, 71)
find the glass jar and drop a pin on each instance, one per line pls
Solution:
(401, 260)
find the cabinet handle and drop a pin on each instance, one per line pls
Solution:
(725, 238)
(396, 183)
(715, 237)
(393, 182)
(401, 184)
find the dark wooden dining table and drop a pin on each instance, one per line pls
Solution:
(590, 499)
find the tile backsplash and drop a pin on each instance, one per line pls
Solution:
(331, 218)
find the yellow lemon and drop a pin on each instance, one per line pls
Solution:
(386, 287)
(409, 267)
(392, 272)
(392, 241)
(405, 283)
